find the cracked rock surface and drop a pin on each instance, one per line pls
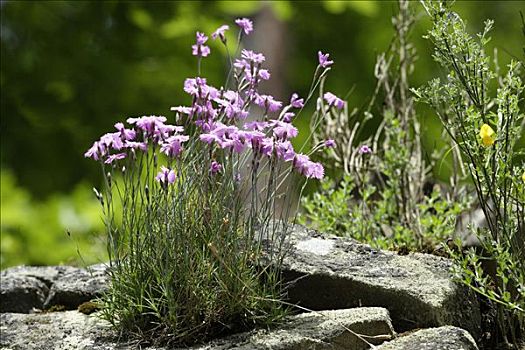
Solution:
(417, 289)
(25, 289)
(334, 329)
(22, 293)
(442, 338)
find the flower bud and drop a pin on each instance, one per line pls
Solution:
(98, 195)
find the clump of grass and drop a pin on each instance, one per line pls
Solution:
(195, 233)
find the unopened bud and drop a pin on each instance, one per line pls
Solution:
(98, 195)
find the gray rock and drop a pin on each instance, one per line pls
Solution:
(323, 330)
(335, 329)
(337, 273)
(26, 288)
(21, 293)
(46, 274)
(76, 287)
(442, 338)
(55, 330)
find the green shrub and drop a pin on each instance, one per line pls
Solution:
(486, 128)
(374, 218)
(387, 196)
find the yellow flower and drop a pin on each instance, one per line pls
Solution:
(523, 176)
(488, 136)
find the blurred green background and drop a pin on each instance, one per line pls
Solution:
(71, 69)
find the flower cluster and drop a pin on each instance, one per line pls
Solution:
(218, 114)
(245, 24)
(217, 111)
(144, 132)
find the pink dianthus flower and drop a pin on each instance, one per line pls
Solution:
(245, 24)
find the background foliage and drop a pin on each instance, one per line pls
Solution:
(69, 70)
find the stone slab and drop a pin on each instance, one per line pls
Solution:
(25, 289)
(442, 338)
(76, 287)
(335, 330)
(69, 330)
(21, 293)
(46, 274)
(72, 330)
(337, 273)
